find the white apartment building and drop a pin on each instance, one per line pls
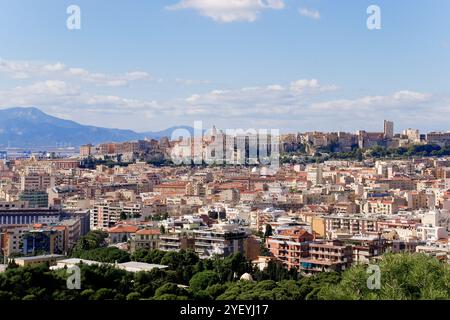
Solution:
(431, 233)
(106, 214)
(221, 239)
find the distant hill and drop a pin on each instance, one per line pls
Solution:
(168, 132)
(30, 127)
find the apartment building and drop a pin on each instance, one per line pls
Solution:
(106, 214)
(43, 240)
(327, 256)
(315, 175)
(35, 198)
(352, 224)
(438, 249)
(172, 189)
(407, 245)
(29, 216)
(399, 183)
(220, 239)
(5, 205)
(431, 233)
(36, 181)
(73, 231)
(176, 241)
(290, 245)
(11, 239)
(381, 206)
(419, 200)
(365, 248)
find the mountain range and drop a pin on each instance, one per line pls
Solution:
(30, 127)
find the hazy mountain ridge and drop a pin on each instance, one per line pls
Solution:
(27, 127)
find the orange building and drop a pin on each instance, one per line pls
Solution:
(290, 245)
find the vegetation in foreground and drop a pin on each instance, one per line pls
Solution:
(403, 276)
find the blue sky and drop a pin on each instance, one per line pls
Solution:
(295, 65)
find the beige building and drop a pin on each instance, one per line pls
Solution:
(145, 239)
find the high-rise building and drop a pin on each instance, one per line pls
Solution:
(388, 129)
(36, 181)
(34, 198)
(315, 174)
(105, 214)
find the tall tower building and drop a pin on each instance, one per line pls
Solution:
(388, 129)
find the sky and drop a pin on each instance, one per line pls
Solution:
(292, 65)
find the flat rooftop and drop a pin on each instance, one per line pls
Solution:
(43, 257)
(131, 266)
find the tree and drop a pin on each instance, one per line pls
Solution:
(134, 296)
(92, 240)
(275, 271)
(202, 280)
(104, 294)
(231, 267)
(171, 290)
(215, 290)
(404, 276)
(108, 254)
(269, 231)
(87, 294)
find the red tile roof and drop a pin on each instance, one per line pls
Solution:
(123, 229)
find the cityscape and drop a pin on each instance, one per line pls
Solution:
(335, 202)
(207, 162)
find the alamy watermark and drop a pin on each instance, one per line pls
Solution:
(374, 19)
(374, 279)
(74, 280)
(73, 22)
(226, 147)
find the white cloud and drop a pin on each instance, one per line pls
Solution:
(108, 80)
(302, 104)
(402, 99)
(61, 96)
(29, 69)
(270, 100)
(309, 13)
(45, 93)
(275, 87)
(304, 100)
(310, 86)
(190, 82)
(229, 10)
